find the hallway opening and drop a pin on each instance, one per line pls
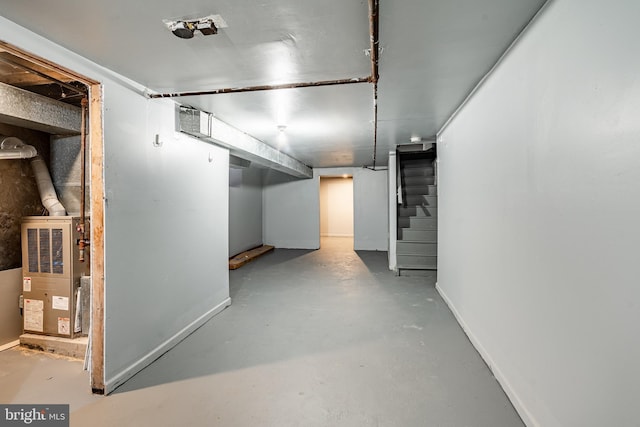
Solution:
(336, 209)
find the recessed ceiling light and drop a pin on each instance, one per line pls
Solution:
(181, 29)
(207, 27)
(186, 27)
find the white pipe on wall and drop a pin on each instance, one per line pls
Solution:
(45, 187)
(13, 148)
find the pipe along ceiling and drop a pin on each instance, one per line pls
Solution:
(374, 9)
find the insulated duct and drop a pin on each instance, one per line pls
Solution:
(13, 148)
(45, 187)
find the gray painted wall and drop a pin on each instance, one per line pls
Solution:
(245, 209)
(539, 207)
(292, 209)
(166, 229)
(10, 318)
(166, 219)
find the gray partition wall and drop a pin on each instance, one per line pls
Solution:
(166, 218)
(539, 207)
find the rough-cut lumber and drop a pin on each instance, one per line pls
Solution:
(248, 256)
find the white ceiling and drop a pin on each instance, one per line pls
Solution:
(433, 54)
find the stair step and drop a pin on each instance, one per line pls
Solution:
(422, 223)
(426, 171)
(410, 181)
(417, 262)
(418, 222)
(416, 163)
(416, 248)
(419, 211)
(425, 190)
(421, 200)
(417, 235)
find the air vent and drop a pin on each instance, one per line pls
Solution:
(32, 249)
(57, 251)
(45, 250)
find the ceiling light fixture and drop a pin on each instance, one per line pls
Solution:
(185, 28)
(182, 29)
(207, 27)
(282, 128)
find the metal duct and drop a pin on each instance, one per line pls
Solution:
(13, 148)
(45, 187)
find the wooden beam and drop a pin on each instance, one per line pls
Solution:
(248, 256)
(46, 66)
(97, 239)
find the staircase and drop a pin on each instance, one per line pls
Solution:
(417, 244)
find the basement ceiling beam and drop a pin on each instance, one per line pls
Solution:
(22, 108)
(260, 88)
(204, 126)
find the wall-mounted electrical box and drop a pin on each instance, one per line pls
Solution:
(51, 273)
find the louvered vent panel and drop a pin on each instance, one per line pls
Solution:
(57, 248)
(32, 249)
(45, 250)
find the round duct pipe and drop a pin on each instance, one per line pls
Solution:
(13, 148)
(45, 187)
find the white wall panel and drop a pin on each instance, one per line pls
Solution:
(539, 206)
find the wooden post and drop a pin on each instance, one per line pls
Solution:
(97, 239)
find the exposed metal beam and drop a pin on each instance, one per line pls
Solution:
(374, 25)
(262, 88)
(19, 107)
(374, 53)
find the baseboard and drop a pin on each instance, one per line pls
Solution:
(371, 245)
(294, 244)
(517, 403)
(9, 345)
(122, 377)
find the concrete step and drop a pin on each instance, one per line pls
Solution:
(411, 181)
(69, 347)
(419, 211)
(425, 190)
(417, 262)
(426, 171)
(421, 200)
(416, 248)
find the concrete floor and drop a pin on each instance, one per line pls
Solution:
(313, 338)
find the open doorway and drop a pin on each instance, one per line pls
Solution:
(51, 127)
(336, 211)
